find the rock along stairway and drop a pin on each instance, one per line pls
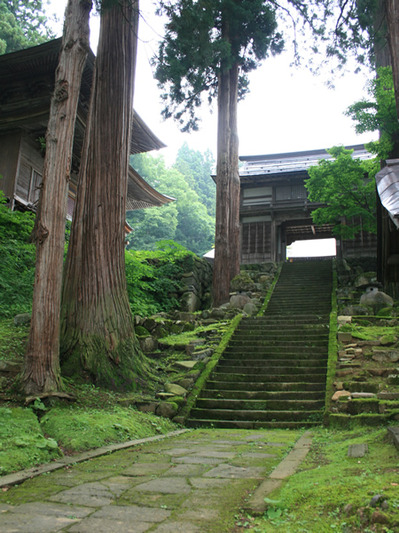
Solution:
(273, 372)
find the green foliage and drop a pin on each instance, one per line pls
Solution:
(185, 220)
(346, 186)
(12, 339)
(378, 114)
(17, 261)
(83, 429)
(333, 492)
(197, 169)
(153, 278)
(22, 24)
(198, 46)
(22, 443)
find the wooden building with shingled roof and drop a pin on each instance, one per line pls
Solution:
(26, 85)
(275, 210)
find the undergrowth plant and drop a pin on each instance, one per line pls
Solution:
(17, 261)
(153, 277)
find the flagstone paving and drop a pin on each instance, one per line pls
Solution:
(193, 482)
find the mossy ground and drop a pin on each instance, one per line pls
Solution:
(333, 492)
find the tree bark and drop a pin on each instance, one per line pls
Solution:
(227, 230)
(97, 335)
(234, 181)
(42, 369)
(392, 20)
(221, 267)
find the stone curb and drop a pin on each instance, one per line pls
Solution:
(393, 434)
(23, 475)
(288, 466)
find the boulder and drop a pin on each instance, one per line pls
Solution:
(148, 344)
(175, 389)
(186, 383)
(365, 279)
(10, 367)
(250, 309)
(386, 356)
(166, 409)
(238, 301)
(375, 299)
(340, 394)
(242, 282)
(185, 365)
(22, 319)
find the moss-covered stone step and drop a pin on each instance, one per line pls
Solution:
(298, 386)
(251, 424)
(263, 395)
(256, 415)
(278, 369)
(280, 342)
(345, 421)
(294, 362)
(288, 336)
(269, 377)
(260, 405)
(263, 352)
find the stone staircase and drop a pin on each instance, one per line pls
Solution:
(273, 372)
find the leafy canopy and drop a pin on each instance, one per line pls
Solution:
(186, 220)
(204, 37)
(23, 23)
(378, 114)
(346, 186)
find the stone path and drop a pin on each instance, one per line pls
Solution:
(192, 482)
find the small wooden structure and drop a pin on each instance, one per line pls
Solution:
(26, 85)
(275, 210)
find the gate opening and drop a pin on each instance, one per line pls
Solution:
(312, 248)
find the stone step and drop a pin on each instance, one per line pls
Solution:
(278, 369)
(257, 415)
(318, 377)
(243, 364)
(253, 424)
(312, 343)
(289, 358)
(266, 334)
(296, 319)
(262, 395)
(276, 351)
(259, 405)
(281, 386)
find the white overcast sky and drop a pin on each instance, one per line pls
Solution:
(286, 110)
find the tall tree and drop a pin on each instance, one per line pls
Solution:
(42, 369)
(209, 47)
(392, 18)
(97, 335)
(23, 23)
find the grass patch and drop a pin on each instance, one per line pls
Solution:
(82, 429)
(187, 337)
(22, 443)
(333, 492)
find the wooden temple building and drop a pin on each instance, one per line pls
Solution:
(26, 85)
(275, 210)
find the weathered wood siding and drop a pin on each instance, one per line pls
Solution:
(9, 158)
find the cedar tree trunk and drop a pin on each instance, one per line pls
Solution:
(42, 368)
(392, 19)
(97, 335)
(227, 231)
